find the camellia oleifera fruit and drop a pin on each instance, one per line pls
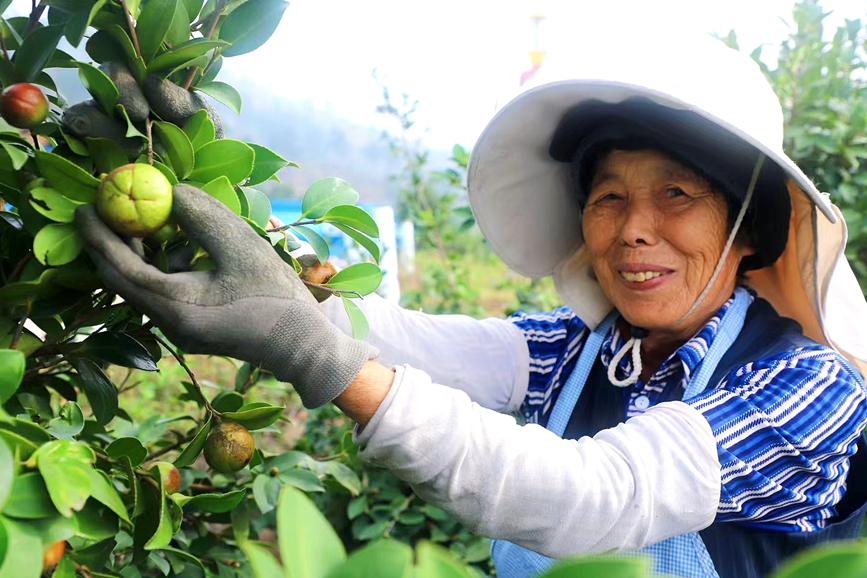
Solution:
(23, 105)
(52, 555)
(135, 200)
(229, 447)
(315, 272)
(170, 477)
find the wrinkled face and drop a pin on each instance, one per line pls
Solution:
(655, 230)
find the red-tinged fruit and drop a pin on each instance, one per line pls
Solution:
(315, 272)
(169, 476)
(52, 555)
(134, 200)
(23, 105)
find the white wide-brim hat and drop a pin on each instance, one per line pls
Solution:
(525, 205)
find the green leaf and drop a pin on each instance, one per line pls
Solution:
(361, 239)
(68, 424)
(325, 194)
(29, 498)
(94, 523)
(256, 415)
(130, 447)
(262, 563)
(606, 568)
(222, 92)
(18, 156)
(107, 154)
(53, 205)
(224, 157)
(168, 172)
(18, 443)
(162, 536)
(23, 550)
(12, 364)
(227, 401)
(354, 217)
(266, 164)
(21, 292)
(67, 177)
(316, 241)
(302, 479)
(102, 491)
(153, 25)
(383, 559)
(259, 206)
(7, 473)
(222, 190)
(35, 52)
(100, 391)
(178, 146)
(57, 244)
(99, 85)
(194, 448)
(357, 320)
(251, 25)
(200, 129)
(119, 349)
(842, 560)
(362, 278)
(309, 546)
(179, 29)
(213, 503)
(182, 54)
(65, 467)
(109, 43)
(344, 476)
(266, 492)
(79, 20)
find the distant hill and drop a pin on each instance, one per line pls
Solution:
(322, 143)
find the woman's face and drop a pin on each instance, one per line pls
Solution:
(655, 230)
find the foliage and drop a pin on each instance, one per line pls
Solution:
(76, 467)
(822, 85)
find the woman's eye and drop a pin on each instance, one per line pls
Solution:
(674, 192)
(607, 197)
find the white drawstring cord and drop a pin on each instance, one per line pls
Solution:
(635, 343)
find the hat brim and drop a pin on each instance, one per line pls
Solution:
(522, 198)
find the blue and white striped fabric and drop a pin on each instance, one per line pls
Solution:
(785, 425)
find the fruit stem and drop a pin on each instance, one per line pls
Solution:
(132, 34)
(150, 142)
(35, 141)
(35, 14)
(167, 449)
(282, 228)
(174, 353)
(337, 292)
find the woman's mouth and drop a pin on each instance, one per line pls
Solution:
(640, 276)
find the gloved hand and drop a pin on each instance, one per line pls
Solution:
(252, 306)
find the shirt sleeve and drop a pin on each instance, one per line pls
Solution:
(553, 339)
(785, 428)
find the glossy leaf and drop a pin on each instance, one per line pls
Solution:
(262, 563)
(266, 165)
(102, 491)
(53, 205)
(362, 278)
(79, 20)
(99, 85)
(106, 44)
(251, 25)
(35, 52)
(224, 157)
(22, 291)
(65, 467)
(17, 154)
(316, 241)
(213, 503)
(29, 498)
(602, 568)
(106, 154)
(153, 25)
(309, 547)
(7, 472)
(266, 492)
(362, 239)
(130, 447)
(222, 92)
(18, 443)
(325, 194)
(222, 190)
(100, 391)
(255, 415)
(843, 560)
(357, 320)
(179, 29)
(162, 536)
(119, 349)
(68, 424)
(200, 129)
(67, 177)
(345, 476)
(182, 54)
(178, 146)
(383, 559)
(194, 448)
(354, 217)
(227, 401)
(23, 550)
(259, 206)
(12, 363)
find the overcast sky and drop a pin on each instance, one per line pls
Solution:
(458, 56)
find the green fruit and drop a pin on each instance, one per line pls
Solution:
(170, 477)
(229, 447)
(135, 200)
(23, 105)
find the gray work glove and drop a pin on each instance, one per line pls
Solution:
(252, 307)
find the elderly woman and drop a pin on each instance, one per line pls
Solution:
(673, 409)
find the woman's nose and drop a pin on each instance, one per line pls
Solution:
(638, 224)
